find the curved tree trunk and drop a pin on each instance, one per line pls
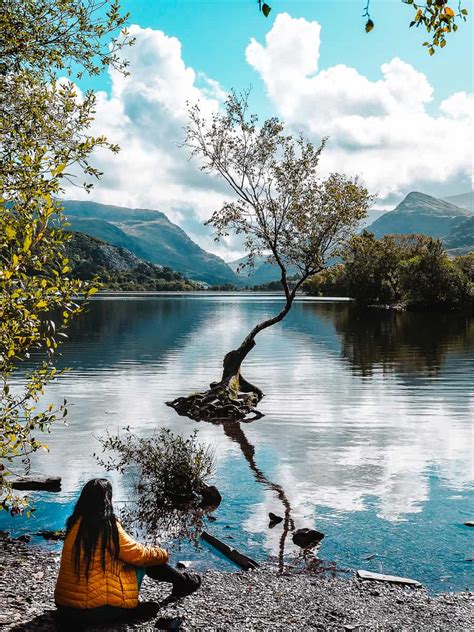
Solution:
(233, 397)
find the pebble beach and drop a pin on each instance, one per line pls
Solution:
(260, 599)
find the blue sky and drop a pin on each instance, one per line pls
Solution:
(396, 117)
(215, 33)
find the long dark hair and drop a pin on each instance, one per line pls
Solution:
(98, 524)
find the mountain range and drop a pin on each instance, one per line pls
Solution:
(420, 213)
(464, 200)
(452, 220)
(150, 236)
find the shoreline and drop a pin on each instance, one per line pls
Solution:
(260, 599)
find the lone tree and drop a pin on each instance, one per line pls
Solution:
(285, 213)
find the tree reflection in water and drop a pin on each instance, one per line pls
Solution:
(234, 431)
(399, 342)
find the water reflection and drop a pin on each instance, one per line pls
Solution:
(401, 342)
(367, 431)
(234, 431)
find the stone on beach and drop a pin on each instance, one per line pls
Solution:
(391, 579)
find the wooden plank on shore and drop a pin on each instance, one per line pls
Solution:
(239, 558)
(391, 579)
(33, 483)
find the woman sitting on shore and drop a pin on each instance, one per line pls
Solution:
(102, 567)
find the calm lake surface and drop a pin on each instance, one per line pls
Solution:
(368, 425)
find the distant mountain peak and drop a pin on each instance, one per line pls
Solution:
(420, 213)
(417, 202)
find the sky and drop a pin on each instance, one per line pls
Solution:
(395, 117)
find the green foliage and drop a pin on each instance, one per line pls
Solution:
(466, 264)
(436, 16)
(329, 282)
(281, 206)
(44, 130)
(438, 19)
(372, 266)
(171, 472)
(68, 35)
(410, 270)
(265, 8)
(37, 302)
(430, 278)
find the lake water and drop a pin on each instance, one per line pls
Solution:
(367, 434)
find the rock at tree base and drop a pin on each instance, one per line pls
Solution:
(307, 538)
(8, 539)
(210, 497)
(391, 579)
(37, 483)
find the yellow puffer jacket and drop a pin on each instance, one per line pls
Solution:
(117, 586)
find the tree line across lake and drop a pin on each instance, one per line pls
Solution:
(412, 271)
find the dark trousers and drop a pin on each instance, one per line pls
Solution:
(166, 573)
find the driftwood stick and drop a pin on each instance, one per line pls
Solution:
(235, 556)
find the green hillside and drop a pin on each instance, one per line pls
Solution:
(150, 235)
(460, 240)
(119, 269)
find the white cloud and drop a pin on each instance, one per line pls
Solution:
(145, 114)
(380, 130)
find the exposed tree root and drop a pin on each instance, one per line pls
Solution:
(231, 399)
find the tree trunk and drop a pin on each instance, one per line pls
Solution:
(233, 397)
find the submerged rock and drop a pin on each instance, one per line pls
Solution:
(307, 538)
(60, 534)
(8, 539)
(34, 483)
(274, 519)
